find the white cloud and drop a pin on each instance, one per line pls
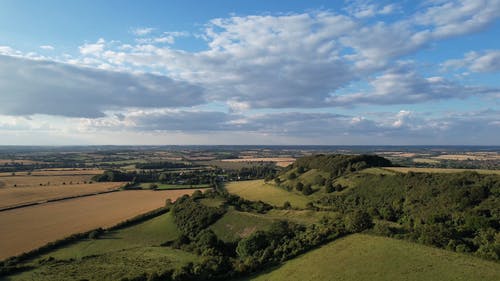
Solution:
(402, 85)
(488, 61)
(47, 47)
(142, 31)
(94, 49)
(43, 87)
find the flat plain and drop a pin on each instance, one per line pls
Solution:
(31, 227)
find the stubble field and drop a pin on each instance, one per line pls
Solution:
(31, 227)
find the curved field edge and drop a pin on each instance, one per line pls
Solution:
(122, 253)
(362, 257)
(32, 227)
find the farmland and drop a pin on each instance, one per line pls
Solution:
(281, 162)
(122, 253)
(363, 257)
(34, 226)
(16, 196)
(440, 170)
(266, 192)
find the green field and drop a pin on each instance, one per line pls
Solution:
(163, 186)
(258, 190)
(122, 253)
(235, 225)
(152, 232)
(441, 170)
(363, 257)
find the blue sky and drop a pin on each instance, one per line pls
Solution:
(250, 72)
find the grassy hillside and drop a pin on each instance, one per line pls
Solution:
(362, 257)
(123, 253)
(258, 190)
(235, 225)
(150, 233)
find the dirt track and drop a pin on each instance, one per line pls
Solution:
(28, 228)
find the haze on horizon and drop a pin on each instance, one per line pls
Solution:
(232, 72)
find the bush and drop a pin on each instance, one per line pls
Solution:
(299, 186)
(307, 190)
(358, 221)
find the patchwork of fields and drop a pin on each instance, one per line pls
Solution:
(27, 228)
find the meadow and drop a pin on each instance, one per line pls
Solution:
(256, 190)
(27, 228)
(362, 257)
(440, 170)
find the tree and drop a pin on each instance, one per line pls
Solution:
(292, 176)
(299, 186)
(358, 221)
(163, 177)
(301, 170)
(329, 188)
(307, 190)
(287, 205)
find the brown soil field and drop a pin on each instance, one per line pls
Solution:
(46, 178)
(56, 172)
(440, 170)
(15, 196)
(282, 162)
(28, 228)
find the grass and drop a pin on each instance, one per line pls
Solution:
(363, 257)
(122, 253)
(235, 225)
(258, 190)
(149, 233)
(440, 170)
(162, 186)
(128, 263)
(212, 202)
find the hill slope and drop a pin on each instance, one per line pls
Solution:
(363, 257)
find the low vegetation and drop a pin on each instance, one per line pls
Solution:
(363, 257)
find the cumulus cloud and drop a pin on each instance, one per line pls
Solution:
(457, 17)
(402, 85)
(142, 31)
(394, 127)
(488, 61)
(94, 49)
(47, 47)
(45, 87)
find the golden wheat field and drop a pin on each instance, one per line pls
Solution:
(15, 196)
(31, 227)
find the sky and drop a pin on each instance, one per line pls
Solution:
(353, 72)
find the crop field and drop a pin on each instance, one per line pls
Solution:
(47, 178)
(256, 190)
(15, 196)
(27, 228)
(162, 186)
(282, 162)
(440, 170)
(362, 257)
(152, 232)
